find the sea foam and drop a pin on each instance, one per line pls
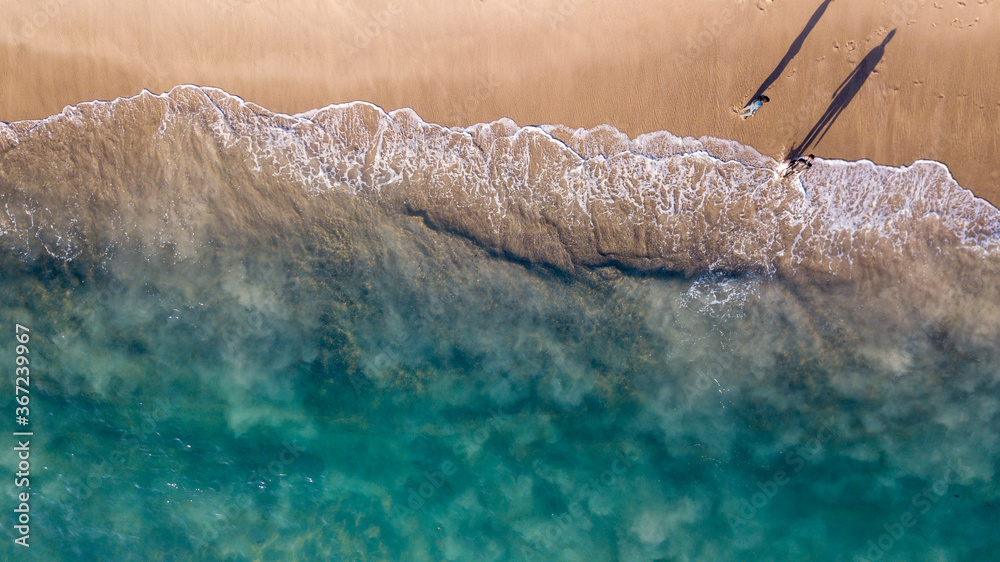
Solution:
(549, 195)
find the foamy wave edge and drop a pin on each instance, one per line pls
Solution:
(566, 197)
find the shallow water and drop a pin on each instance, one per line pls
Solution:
(240, 364)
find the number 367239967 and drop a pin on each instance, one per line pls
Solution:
(21, 371)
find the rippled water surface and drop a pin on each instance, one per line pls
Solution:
(365, 337)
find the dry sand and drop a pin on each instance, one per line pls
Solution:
(933, 92)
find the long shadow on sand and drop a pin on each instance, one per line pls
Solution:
(842, 97)
(792, 50)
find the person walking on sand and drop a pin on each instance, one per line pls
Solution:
(797, 166)
(752, 107)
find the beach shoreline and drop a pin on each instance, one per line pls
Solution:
(893, 83)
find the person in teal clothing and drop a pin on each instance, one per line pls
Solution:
(752, 107)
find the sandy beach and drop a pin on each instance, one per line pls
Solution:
(893, 81)
(254, 318)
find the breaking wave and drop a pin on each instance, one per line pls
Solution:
(197, 163)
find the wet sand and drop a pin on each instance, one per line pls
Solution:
(928, 92)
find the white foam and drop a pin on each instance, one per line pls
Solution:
(695, 204)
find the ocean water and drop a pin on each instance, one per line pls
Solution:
(352, 335)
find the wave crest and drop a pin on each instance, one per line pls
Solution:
(213, 164)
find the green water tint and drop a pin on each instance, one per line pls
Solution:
(389, 392)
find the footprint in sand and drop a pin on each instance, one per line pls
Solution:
(958, 24)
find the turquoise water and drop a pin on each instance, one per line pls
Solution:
(361, 386)
(430, 401)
